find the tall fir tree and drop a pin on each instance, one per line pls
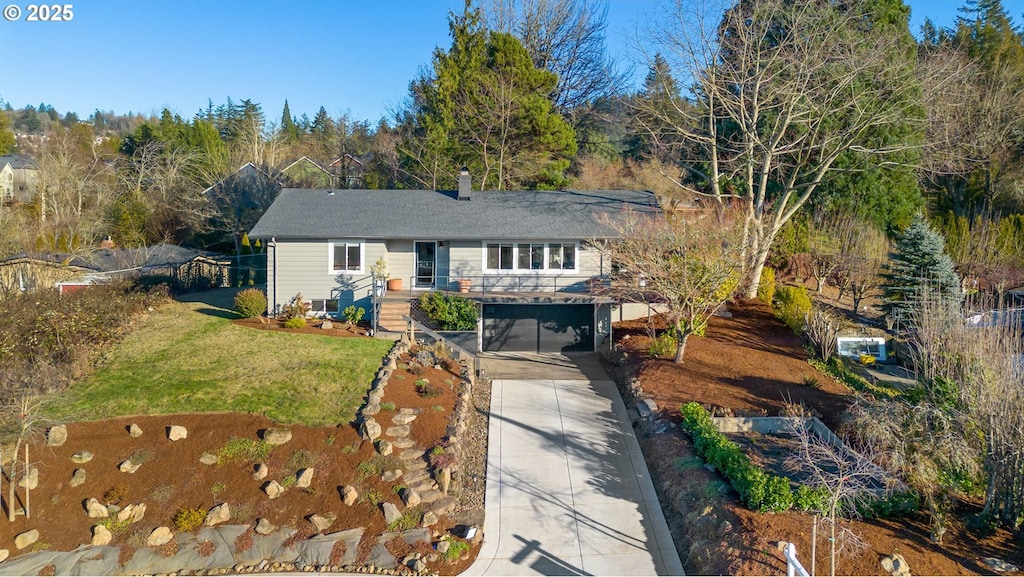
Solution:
(288, 126)
(918, 267)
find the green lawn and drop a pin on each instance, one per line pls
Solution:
(188, 357)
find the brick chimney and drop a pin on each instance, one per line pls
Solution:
(465, 184)
(107, 242)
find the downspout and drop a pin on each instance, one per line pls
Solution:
(273, 247)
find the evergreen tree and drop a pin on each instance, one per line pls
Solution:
(6, 136)
(288, 126)
(918, 266)
(485, 105)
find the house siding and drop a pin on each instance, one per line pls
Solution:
(302, 267)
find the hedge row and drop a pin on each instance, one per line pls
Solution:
(757, 489)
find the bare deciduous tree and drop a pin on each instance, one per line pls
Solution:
(848, 481)
(566, 37)
(690, 268)
(860, 260)
(780, 90)
(973, 121)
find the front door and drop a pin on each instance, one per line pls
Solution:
(426, 264)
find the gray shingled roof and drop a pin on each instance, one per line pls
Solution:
(17, 161)
(108, 260)
(424, 214)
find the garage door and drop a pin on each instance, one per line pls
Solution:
(538, 328)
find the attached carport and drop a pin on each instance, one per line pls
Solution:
(544, 325)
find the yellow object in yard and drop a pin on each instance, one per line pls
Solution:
(867, 360)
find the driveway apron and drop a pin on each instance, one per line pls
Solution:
(568, 492)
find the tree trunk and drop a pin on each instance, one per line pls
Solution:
(681, 337)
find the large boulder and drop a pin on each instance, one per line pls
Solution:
(322, 522)
(177, 432)
(370, 429)
(127, 466)
(101, 535)
(385, 448)
(217, 515)
(303, 478)
(264, 527)
(410, 497)
(81, 457)
(429, 518)
(135, 431)
(208, 458)
(30, 481)
(273, 489)
(349, 495)
(277, 436)
(896, 565)
(77, 478)
(56, 436)
(391, 513)
(159, 536)
(27, 538)
(260, 472)
(95, 509)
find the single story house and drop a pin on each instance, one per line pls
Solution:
(526, 257)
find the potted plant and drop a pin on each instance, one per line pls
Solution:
(464, 284)
(379, 270)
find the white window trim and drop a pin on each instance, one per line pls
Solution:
(515, 258)
(330, 256)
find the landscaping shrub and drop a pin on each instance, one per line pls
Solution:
(251, 303)
(450, 312)
(426, 390)
(757, 489)
(242, 449)
(455, 550)
(46, 338)
(353, 315)
(664, 345)
(297, 308)
(792, 303)
(766, 288)
(189, 519)
(295, 323)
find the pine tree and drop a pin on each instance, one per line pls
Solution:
(288, 126)
(6, 136)
(917, 266)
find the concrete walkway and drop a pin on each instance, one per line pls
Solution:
(568, 492)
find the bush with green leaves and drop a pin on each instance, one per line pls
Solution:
(353, 315)
(295, 323)
(664, 345)
(297, 308)
(449, 312)
(250, 303)
(792, 303)
(757, 489)
(189, 519)
(766, 288)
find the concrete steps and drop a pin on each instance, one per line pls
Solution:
(391, 312)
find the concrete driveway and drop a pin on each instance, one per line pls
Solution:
(568, 492)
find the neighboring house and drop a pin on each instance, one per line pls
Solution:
(17, 178)
(349, 171)
(308, 174)
(525, 255)
(189, 268)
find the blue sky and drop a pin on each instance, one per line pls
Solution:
(354, 56)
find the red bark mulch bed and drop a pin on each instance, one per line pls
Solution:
(752, 364)
(172, 478)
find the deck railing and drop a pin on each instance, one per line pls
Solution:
(498, 285)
